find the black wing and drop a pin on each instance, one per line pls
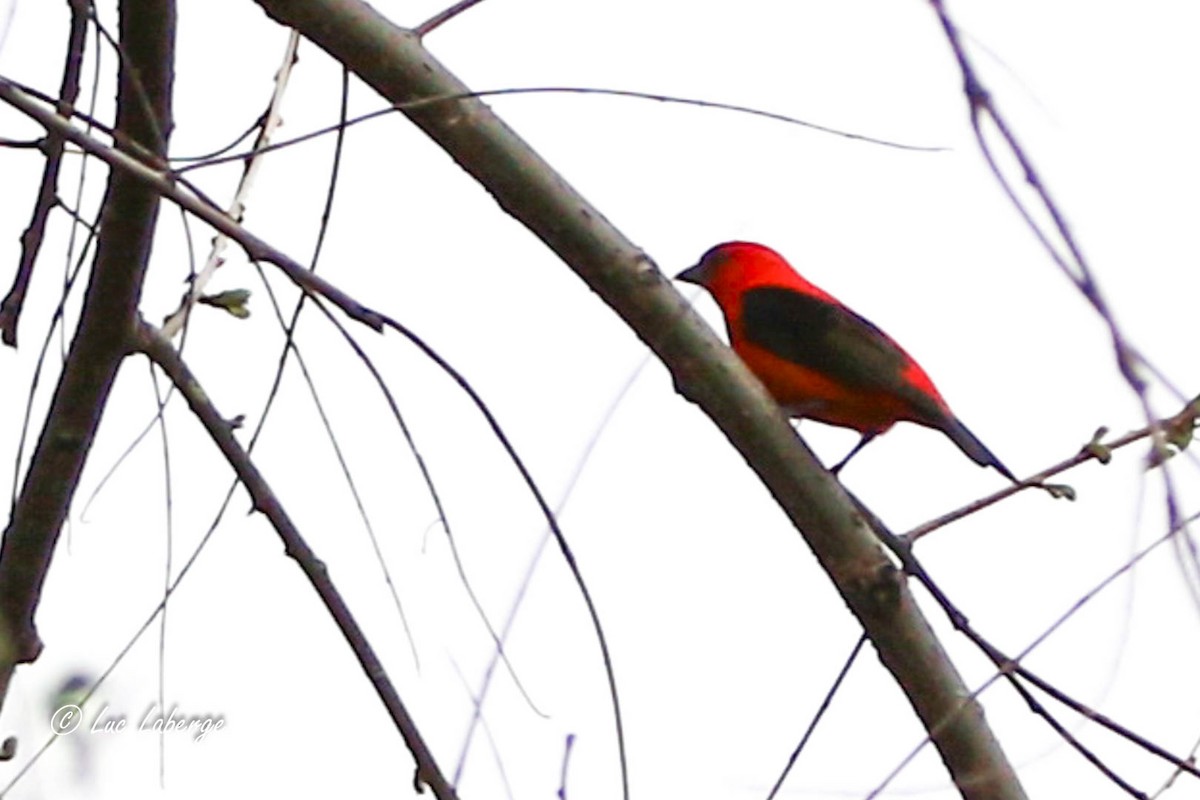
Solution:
(830, 339)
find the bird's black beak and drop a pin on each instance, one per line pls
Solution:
(693, 274)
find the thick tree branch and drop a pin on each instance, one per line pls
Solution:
(395, 64)
(147, 29)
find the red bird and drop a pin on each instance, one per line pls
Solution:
(818, 358)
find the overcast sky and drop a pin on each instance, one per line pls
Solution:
(724, 632)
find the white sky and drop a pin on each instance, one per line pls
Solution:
(725, 634)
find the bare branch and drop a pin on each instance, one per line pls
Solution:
(47, 196)
(270, 121)
(202, 163)
(444, 16)
(1095, 450)
(821, 709)
(159, 350)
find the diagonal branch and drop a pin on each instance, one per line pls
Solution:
(1179, 428)
(270, 121)
(159, 350)
(444, 16)
(47, 197)
(256, 249)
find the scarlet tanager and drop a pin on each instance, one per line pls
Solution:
(818, 358)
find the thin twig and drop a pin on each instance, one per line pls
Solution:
(821, 709)
(290, 347)
(435, 496)
(493, 745)
(444, 16)
(584, 90)
(536, 557)
(559, 537)
(568, 746)
(159, 350)
(39, 365)
(160, 402)
(1093, 451)
(270, 120)
(47, 196)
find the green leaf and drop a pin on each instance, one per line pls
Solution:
(233, 300)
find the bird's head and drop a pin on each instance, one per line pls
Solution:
(733, 267)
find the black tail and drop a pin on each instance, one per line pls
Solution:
(975, 449)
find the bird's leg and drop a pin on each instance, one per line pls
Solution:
(867, 437)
